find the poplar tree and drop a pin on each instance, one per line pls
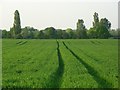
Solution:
(16, 25)
(81, 30)
(96, 20)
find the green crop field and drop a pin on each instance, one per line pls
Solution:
(72, 63)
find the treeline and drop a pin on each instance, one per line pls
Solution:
(101, 29)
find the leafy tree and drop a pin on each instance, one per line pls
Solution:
(102, 30)
(105, 23)
(12, 32)
(50, 33)
(81, 30)
(91, 33)
(35, 34)
(29, 33)
(74, 36)
(25, 33)
(59, 33)
(19, 36)
(64, 35)
(16, 25)
(40, 35)
(115, 33)
(70, 32)
(4, 34)
(9, 34)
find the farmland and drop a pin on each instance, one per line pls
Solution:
(67, 63)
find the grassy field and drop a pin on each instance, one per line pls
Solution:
(60, 63)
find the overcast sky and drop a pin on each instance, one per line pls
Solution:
(59, 14)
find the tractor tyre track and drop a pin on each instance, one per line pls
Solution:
(102, 83)
(55, 79)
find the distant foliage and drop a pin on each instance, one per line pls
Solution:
(29, 33)
(101, 29)
(115, 33)
(50, 33)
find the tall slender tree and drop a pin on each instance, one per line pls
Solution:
(81, 30)
(96, 20)
(16, 25)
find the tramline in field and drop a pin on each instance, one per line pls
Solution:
(60, 63)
